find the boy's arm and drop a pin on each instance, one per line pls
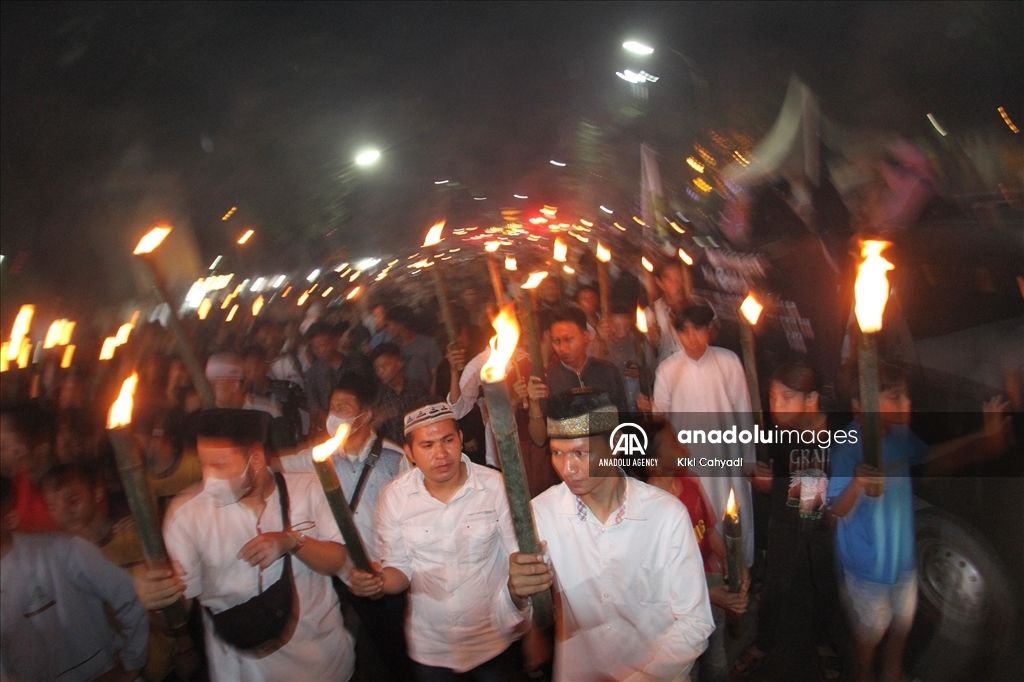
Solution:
(864, 477)
(987, 443)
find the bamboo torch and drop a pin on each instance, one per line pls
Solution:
(871, 291)
(734, 555)
(604, 256)
(433, 239)
(503, 424)
(147, 244)
(560, 254)
(336, 499)
(750, 311)
(641, 352)
(136, 489)
(492, 267)
(529, 305)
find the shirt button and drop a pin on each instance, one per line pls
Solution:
(605, 595)
(604, 563)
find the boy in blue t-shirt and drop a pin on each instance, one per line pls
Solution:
(875, 534)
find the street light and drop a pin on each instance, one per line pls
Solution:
(368, 157)
(637, 47)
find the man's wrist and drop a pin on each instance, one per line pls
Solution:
(298, 541)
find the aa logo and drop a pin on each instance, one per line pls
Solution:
(628, 440)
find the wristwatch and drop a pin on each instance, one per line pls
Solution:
(300, 540)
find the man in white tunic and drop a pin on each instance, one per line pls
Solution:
(624, 561)
(228, 542)
(703, 387)
(444, 532)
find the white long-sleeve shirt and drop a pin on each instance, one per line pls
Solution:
(469, 389)
(661, 313)
(206, 539)
(455, 556)
(53, 625)
(634, 602)
(711, 393)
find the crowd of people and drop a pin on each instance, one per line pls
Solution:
(636, 559)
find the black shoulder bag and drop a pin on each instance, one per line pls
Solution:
(368, 465)
(262, 620)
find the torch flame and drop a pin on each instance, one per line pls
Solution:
(534, 280)
(561, 251)
(503, 344)
(603, 254)
(53, 334)
(5, 364)
(327, 448)
(204, 308)
(491, 247)
(751, 309)
(303, 298)
(730, 507)
(107, 351)
(123, 332)
(257, 305)
(121, 410)
(245, 237)
(152, 239)
(641, 320)
(231, 315)
(66, 332)
(872, 287)
(510, 263)
(685, 257)
(26, 346)
(355, 292)
(648, 265)
(434, 234)
(69, 353)
(21, 326)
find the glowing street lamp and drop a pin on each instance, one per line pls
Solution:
(367, 157)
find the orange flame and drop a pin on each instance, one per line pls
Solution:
(731, 508)
(257, 305)
(19, 331)
(231, 314)
(685, 257)
(245, 237)
(328, 447)
(751, 309)
(303, 298)
(5, 364)
(107, 351)
(534, 280)
(872, 287)
(434, 234)
(491, 247)
(69, 353)
(503, 345)
(561, 250)
(204, 308)
(510, 263)
(152, 239)
(53, 334)
(648, 265)
(66, 332)
(123, 332)
(603, 254)
(641, 320)
(121, 410)
(355, 292)
(26, 347)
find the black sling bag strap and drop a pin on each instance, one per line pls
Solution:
(364, 475)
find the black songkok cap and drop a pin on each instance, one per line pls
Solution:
(241, 427)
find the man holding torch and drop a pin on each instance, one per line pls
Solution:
(623, 559)
(444, 532)
(257, 550)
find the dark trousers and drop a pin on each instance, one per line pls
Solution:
(800, 574)
(384, 622)
(505, 667)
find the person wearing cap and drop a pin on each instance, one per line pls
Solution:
(233, 541)
(444, 532)
(622, 559)
(226, 374)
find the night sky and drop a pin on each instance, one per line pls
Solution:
(117, 115)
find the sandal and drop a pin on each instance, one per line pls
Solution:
(751, 660)
(829, 669)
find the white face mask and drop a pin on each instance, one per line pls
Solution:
(225, 491)
(334, 422)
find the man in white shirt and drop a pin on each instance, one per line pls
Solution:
(444, 532)
(673, 280)
(53, 622)
(368, 465)
(229, 543)
(704, 388)
(624, 561)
